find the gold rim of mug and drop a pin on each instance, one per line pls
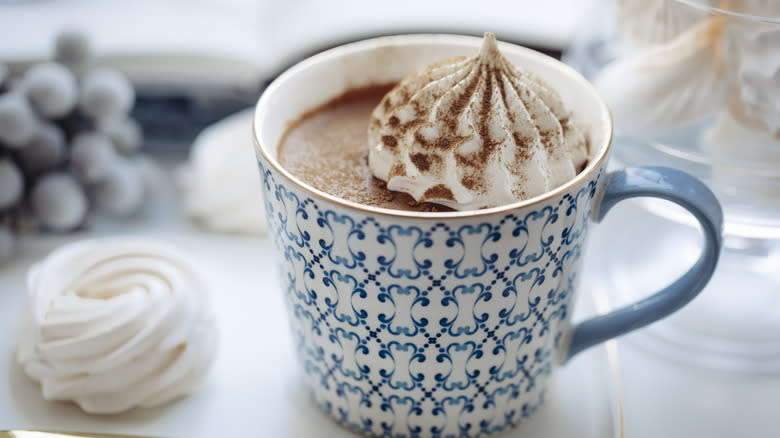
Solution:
(593, 165)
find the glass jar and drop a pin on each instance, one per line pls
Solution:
(695, 85)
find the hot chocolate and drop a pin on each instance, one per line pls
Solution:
(465, 133)
(327, 149)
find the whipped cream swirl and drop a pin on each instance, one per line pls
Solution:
(116, 323)
(472, 133)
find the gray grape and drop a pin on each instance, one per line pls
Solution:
(3, 73)
(92, 156)
(45, 151)
(150, 173)
(106, 93)
(7, 245)
(59, 202)
(51, 89)
(11, 183)
(17, 120)
(122, 193)
(124, 132)
(39, 112)
(72, 50)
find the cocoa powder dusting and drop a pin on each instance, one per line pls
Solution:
(474, 179)
(442, 143)
(463, 100)
(468, 182)
(502, 89)
(523, 149)
(389, 141)
(448, 139)
(486, 108)
(546, 137)
(565, 125)
(439, 191)
(421, 161)
(397, 170)
(386, 103)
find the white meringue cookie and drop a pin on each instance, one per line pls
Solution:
(116, 323)
(475, 132)
(220, 185)
(755, 50)
(668, 86)
(721, 60)
(645, 23)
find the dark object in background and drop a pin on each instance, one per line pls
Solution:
(171, 118)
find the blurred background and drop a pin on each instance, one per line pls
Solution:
(104, 104)
(194, 61)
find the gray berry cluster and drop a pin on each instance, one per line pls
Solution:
(68, 145)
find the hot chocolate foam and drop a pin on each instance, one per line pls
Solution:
(473, 133)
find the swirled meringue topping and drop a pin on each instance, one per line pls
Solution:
(116, 323)
(472, 133)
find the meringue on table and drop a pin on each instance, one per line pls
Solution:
(112, 324)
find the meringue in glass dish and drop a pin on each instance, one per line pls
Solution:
(695, 85)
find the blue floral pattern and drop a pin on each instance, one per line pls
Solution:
(442, 328)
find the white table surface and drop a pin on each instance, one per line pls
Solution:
(666, 394)
(662, 396)
(253, 388)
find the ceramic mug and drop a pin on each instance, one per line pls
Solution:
(448, 324)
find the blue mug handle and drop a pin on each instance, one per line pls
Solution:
(682, 189)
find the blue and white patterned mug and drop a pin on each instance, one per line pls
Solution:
(448, 324)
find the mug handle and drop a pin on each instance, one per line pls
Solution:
(682, 189)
